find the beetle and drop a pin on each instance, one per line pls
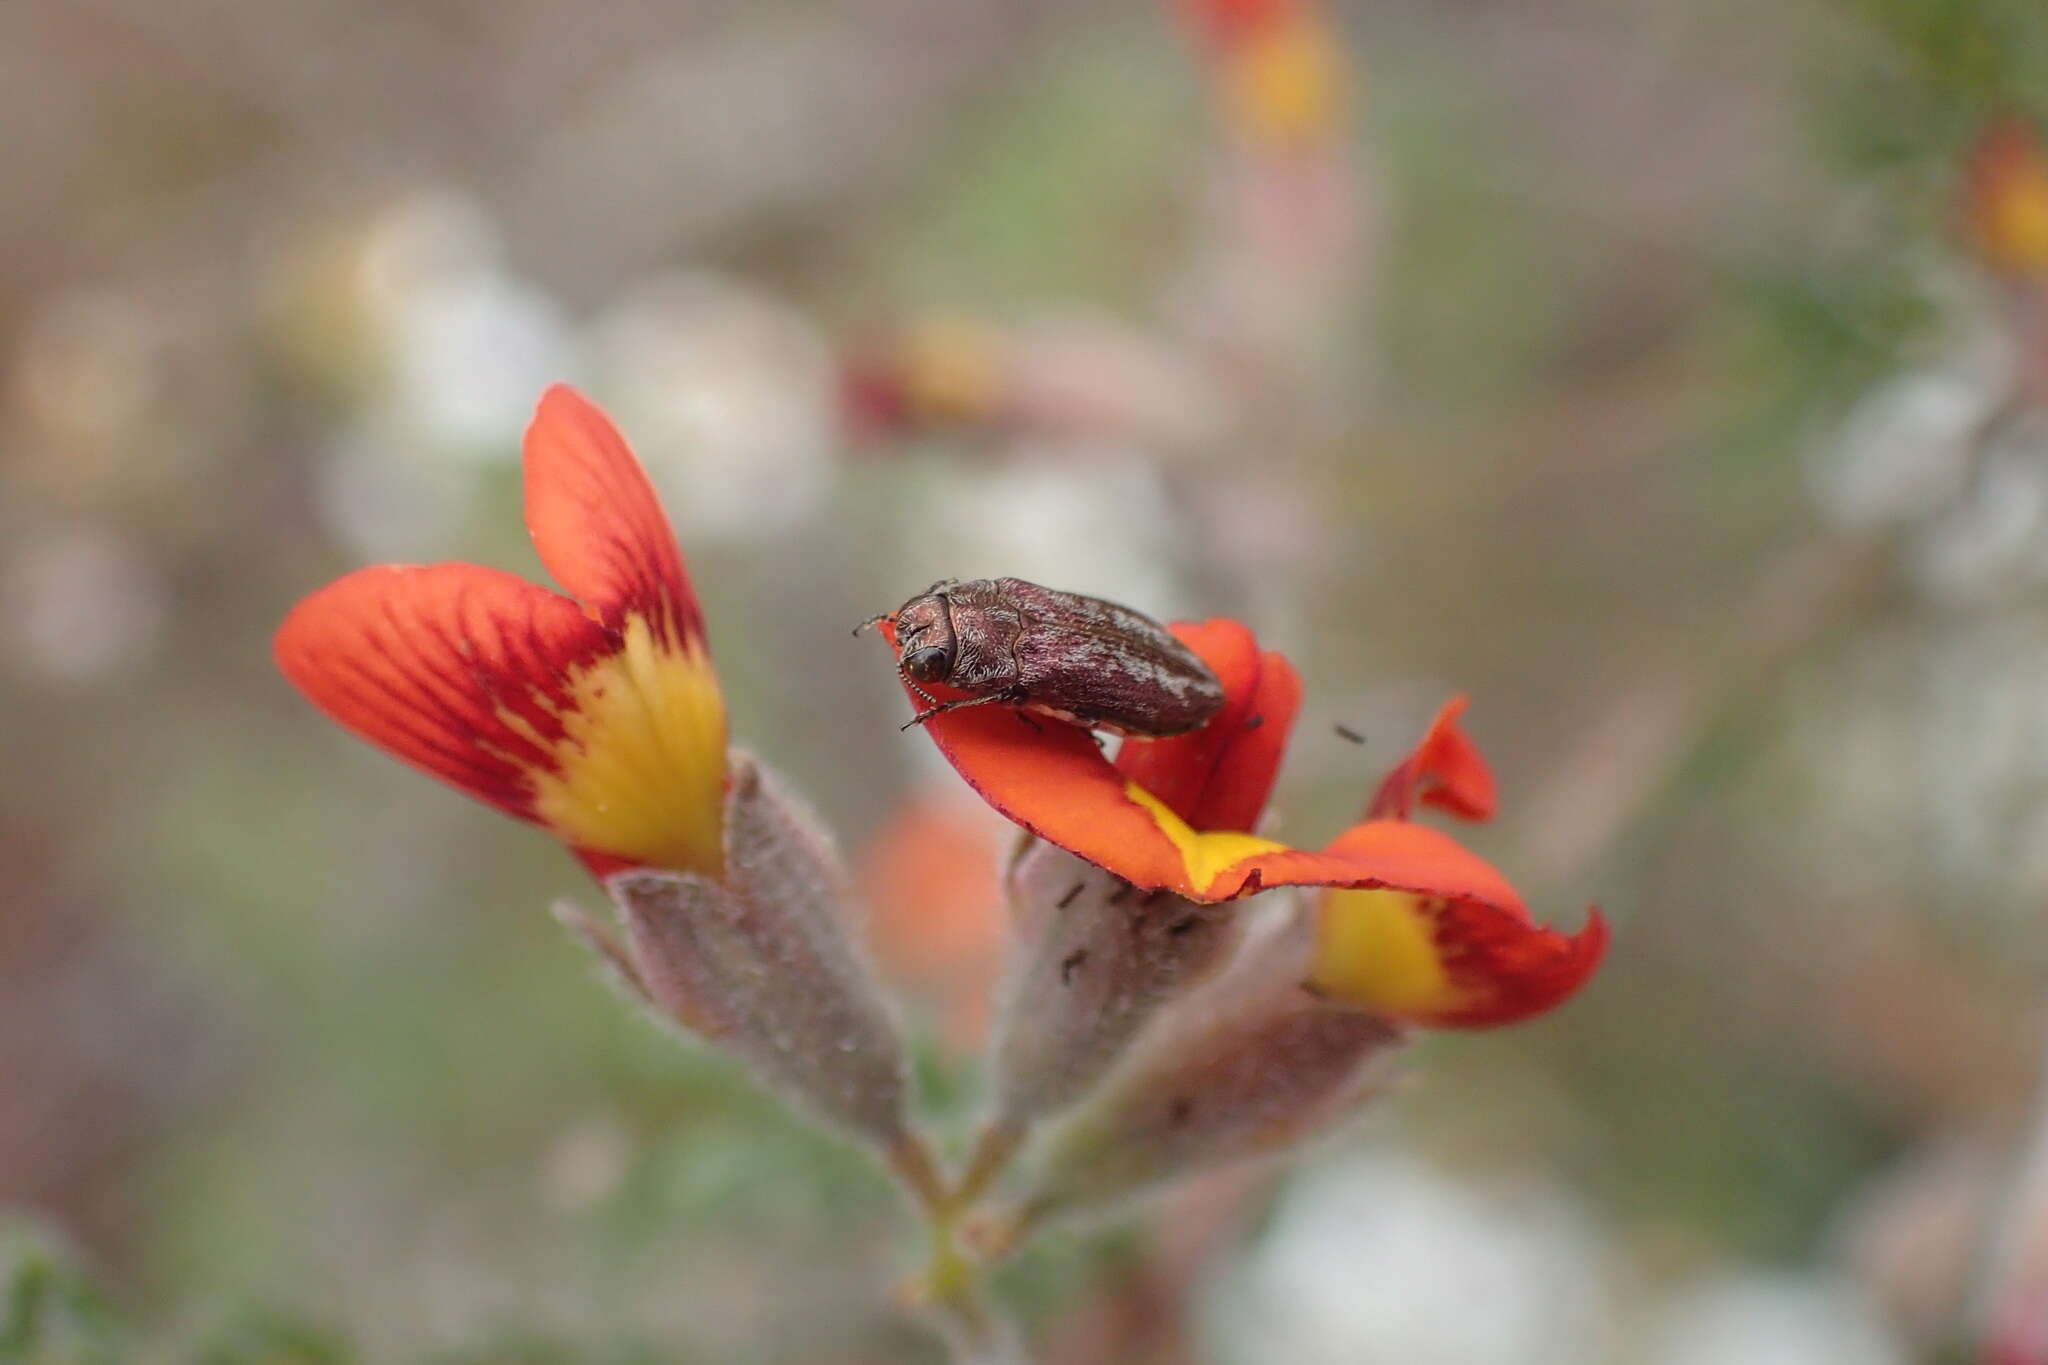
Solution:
(1079, 659)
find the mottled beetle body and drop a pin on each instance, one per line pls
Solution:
(1080, 659)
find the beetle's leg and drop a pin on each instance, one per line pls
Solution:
(945, 706)
(1080, 720)
(1017, 696)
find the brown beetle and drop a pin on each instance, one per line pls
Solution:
(1080, 659)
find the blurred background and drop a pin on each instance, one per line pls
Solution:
(1669, 376)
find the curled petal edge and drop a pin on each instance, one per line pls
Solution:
(1445, 770)
(1448, 962)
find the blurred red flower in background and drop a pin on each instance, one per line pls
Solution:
(1280, 71)
(2005, 199)
(932, 878)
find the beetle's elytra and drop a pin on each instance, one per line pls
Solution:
(1080, 659)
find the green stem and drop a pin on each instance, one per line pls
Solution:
(910, 1161)
(992, 1152)
(950, 1287)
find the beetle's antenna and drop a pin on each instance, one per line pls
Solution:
(873, 621)
(943, 707)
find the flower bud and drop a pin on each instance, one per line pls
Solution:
(762, 961)
(1249, 1066)
(1096, 961)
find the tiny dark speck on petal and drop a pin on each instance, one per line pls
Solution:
(1253, 722)
(1181, 1110)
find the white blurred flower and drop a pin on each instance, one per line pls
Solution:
(1979, 543)
(1100, 525)
(79, 602)
(1911, 1237)
(1762, 1318)
(1920, 750)
(729, 396)
(1287, 251)
(1081, 372)
(469, 345)
(1904, 449)
(1385, 1261)
(1989, 540)
(383, 489)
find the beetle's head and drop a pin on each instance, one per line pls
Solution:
(924, 638)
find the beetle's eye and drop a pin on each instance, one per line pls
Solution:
(928, 665)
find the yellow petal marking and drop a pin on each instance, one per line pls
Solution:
(1373, 948)
(640, 771)
(1206, 856)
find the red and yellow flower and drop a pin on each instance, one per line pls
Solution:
(1279, 69)
(2005, 203)
(593, 713)
(1412, 925)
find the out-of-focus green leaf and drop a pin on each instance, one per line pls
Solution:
(50, 1312)
(263, 1339)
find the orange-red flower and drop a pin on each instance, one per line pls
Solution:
(1279, 69)
(2005, 206)
(594, 715)
(1415, 926)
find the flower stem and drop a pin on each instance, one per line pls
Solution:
(997, 1237)
(950, 1287)
(910, 1161)
(998, 1142)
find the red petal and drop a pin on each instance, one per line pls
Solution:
(1445, 770)
(1218, 777)
(459, 670)
(597, 523)
(1447, 962)
(1051, 779)
(1512, 970)
(1418, 858)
